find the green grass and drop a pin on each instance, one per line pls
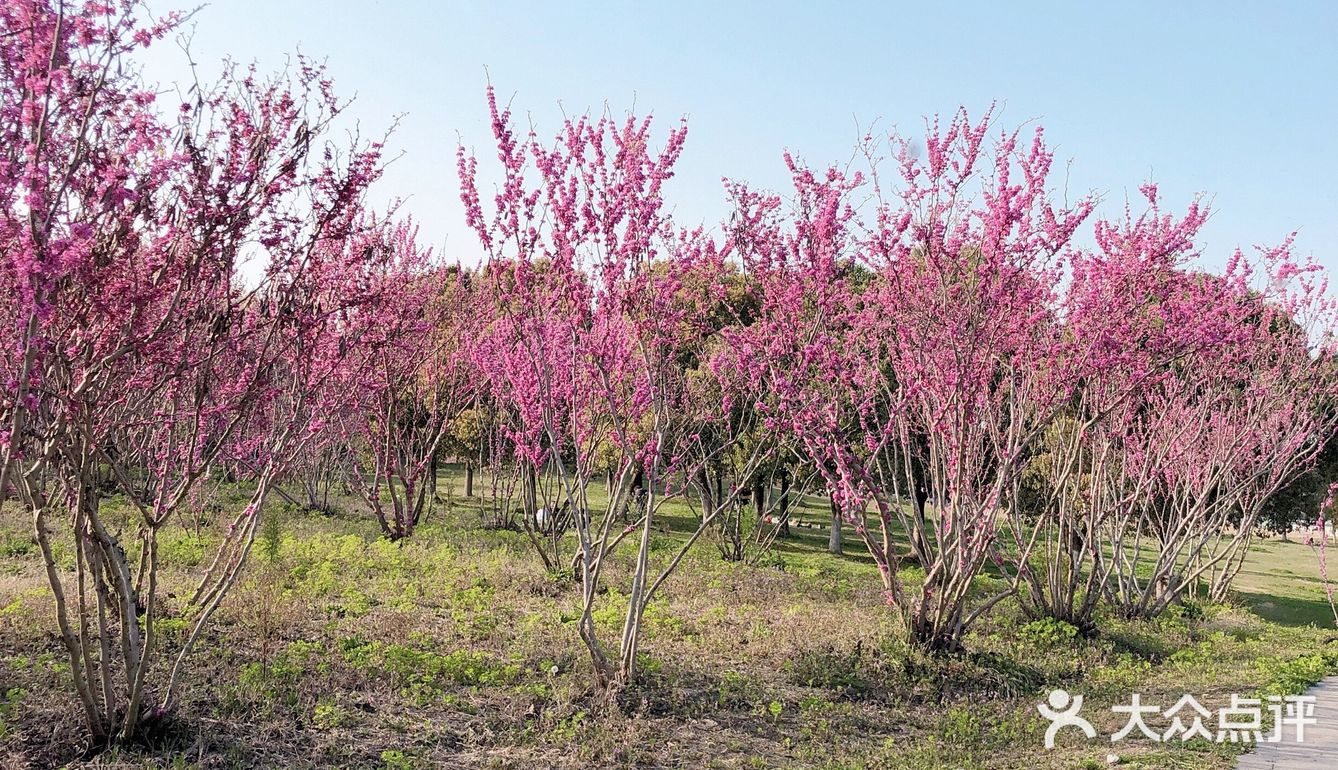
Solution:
(455, 648)
(1280, 582)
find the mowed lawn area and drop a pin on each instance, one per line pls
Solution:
(455, 648)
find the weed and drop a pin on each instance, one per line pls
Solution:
(9, 708)
(17, 546)
(328, 716)
(1048, 632)
(829, 669)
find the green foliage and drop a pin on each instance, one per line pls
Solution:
(394, 759)
(799, 659)
(1189, 611)
(1121, 675)
(647, 665)
(12, 609)
(1295, 675)
(473, 611)
(610, 610)
(171, 628)
(17, 546)
(329, 716)
(1299, 501)
(9, 708)
(271, 535)
(182, 548)
(270, 685)
(827, 668)
(466, 432)
(1048, 632)
(960, 727)
(736, 690)
(411, 668)
(568, 727)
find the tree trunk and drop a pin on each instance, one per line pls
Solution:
(834, 539)
(920, 494)
(784, 506)
(432, 478)
(530, 493)
(469, 478)
(707, 494)
(635, 503)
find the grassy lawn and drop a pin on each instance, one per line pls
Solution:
(1280, 582)
(456, 649)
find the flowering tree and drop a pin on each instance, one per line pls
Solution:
(569, 255)
(912, 340)
(133, 344)
(1198, 398)
(1119, 340)
(1236, 419)
(596, 309)
(415, 350)
(933, 375)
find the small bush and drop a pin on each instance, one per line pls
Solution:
(328, 716)
(15, 546)
(9, 708)
(185, 550)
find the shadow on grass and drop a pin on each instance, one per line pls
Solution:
(1289, 610)
(1142, 642)
(974, 674)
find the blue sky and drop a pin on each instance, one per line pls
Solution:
(1235, 100)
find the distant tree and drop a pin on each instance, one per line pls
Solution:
(1295, 504)
(466, 441)
(420, 378)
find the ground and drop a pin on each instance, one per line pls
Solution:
(456, 649)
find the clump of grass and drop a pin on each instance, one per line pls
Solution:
(271, 535)
(830, 669)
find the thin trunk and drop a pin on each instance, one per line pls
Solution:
(435, 466)
(834, 539)
(707, 493)
(530, 492)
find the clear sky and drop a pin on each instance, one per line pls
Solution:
(1235, 100)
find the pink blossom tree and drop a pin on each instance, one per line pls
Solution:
(133, 343)
(415, 350)
(575, 229)
(1197, 398)
(1233, 421)
(596, 306)
(929, 381)
(1118, 342)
